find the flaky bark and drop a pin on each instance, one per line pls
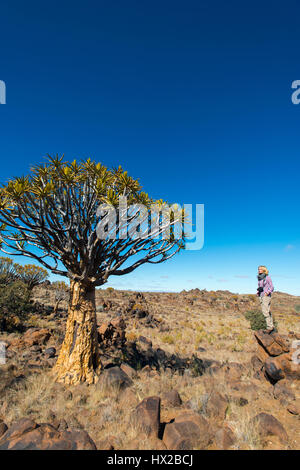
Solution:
(79, 359)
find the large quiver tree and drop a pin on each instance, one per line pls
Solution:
(68, 217)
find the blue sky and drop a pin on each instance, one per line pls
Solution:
(193, 98)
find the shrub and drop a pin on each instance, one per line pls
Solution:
(110, 290)
(14, 306)
(257, 320)
(297, 308)
(252, 297)
(168, 339)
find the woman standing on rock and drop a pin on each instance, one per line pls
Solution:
(264, 291)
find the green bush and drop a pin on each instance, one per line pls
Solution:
(14, 306)
(297, 308)
(257, 320)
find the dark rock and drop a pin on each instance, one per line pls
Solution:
(294, 407)
(3, 429)
(147, 341)
(130, 371)
(147, 415)
(268, 343)
(50, 352)
(274, 370)
(171, 398)
(268, 425)
(282, 393)
(28, 435)
(189, 430)
(216, 406)
(114, 377)
(224, 438)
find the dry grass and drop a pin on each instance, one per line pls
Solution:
(218, 327)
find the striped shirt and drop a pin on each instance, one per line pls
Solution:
(267, 285)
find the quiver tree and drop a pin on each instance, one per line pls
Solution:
(85, 222)
(61, 292)
(31, 275)
(7, 271)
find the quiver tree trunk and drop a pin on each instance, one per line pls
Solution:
(55, 310)
(79, 359)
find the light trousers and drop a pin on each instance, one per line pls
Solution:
(265, 302)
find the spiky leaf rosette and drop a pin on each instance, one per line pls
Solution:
(53, 216)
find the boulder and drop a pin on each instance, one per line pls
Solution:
(50, 352)
(233, 370)
(33, 337)
(273, 369)
(282, 340)
(114, 377)
(171, 398)
(3, 428)
(268, 425)
(147, 415)
(256, 363)
(283, 393)
(130, 371)
(268, 342)
(189, 430)
(294, 407)
(28, 435)
(216, 406)
(281, 367)
(224, 438)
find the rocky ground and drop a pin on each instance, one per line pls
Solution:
(182, 371)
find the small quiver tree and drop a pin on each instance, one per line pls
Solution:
(72, 218)
(7, 271)
(61, 292)
(31, 275)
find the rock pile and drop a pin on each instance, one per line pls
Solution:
(112, 334)
(138, 308)
(26, 434)
(275, 358)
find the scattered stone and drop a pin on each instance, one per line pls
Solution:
(128, 398)
(50, 352)
(224, 438)
(268, 425)
(147, 415)
(269, 344)
(109, 443)
(114, 377)
(171, 398)
(130, 371)
(32, 337)
(146, 341)
(112, 335)
(283, 393)
(45, 437)
(3, 428)
(273, 369)
(294, 408)
(216, 406)
(189, 430)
